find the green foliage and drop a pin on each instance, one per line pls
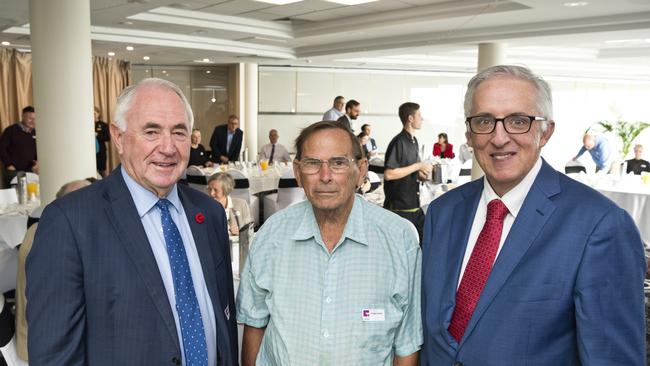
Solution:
(626, 131)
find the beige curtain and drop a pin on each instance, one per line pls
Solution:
(15, 85)
(109, 78)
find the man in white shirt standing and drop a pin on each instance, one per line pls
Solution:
(274, 151)
(336, 111)
(526, 265)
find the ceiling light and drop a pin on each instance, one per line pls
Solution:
(111, 53)
(351, 2)
(207, 71)
(213, 98)
(573, 4)
(5, 43)
(206, 60)
(278, 2)
(164, 71)
(146, 58)
(129, 48)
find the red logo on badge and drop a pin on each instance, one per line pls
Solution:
(199, 218)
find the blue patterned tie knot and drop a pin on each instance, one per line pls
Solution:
(187, 306)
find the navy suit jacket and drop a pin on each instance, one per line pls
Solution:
(95, 294)
(219, 142)
(566, 288)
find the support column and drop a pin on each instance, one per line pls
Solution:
(250, 109)
(63, 92)
(489, 54)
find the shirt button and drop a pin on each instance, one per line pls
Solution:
(328, 300)
(326, 334)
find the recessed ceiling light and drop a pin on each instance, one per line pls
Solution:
(129, 48)
(111, 53)
(146, 58)
(5, 43)
(206, 60)
(351, 2)
(147, 71)
(278, 2)
(207, 71)
(573, 4)
(164, 71)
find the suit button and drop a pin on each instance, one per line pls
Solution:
(176, 360)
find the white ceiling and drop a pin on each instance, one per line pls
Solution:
(605, 38)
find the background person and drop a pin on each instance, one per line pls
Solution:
(18, 146)
(238, 214)
(198, 155)
(336, 111)
(352, 112)
(599, 149)
(226, 141)
(371, 144)
(638, 165)
(274, 151)
(443, 148)
(103, 135)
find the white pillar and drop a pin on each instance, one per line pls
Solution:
(489, 54)
(250, 109)
(63, 92)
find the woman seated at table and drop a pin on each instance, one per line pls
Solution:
(198, 155)
(238, 214)
(443, 148)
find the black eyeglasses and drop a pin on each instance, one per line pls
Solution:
(337, 164)
(513, 124)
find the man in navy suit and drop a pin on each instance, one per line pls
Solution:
(527, 266)
(135, 269)
(226, 141)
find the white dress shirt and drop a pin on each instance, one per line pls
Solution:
(280, 154)
(513, 200)
(145, 202)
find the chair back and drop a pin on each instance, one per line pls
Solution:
(8, 195)
(289, 192)
(575, 169)
(196, 179)
(246, 234)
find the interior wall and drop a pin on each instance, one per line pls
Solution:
(291, 98)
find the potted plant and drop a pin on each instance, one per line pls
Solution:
(626, 131)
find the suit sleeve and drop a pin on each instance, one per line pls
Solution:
(236, 145)
(56, 311)
(436, 149)
(214, 145)
(609, 299)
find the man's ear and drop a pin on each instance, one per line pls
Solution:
(296, 171)
(117, 137)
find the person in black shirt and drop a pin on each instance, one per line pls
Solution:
(404, 170)
(638, 165)
(18, 146)
(103, 135)
(198, 155)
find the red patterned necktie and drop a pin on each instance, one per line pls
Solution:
(478, 268)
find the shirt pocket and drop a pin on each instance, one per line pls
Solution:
(374, 333)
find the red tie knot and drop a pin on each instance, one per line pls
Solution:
(496, 210)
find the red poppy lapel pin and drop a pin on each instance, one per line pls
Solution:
(199, 218)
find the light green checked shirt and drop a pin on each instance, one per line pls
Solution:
(359, 305)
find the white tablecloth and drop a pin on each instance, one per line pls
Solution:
(259, 180)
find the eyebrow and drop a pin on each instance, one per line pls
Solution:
(181, 125)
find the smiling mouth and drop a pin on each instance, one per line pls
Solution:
(502, 156)
(165, 165)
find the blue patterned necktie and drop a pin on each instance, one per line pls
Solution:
(187, 306)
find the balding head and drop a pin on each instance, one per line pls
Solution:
(589, 141)
(71, 186)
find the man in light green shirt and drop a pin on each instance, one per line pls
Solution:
(333, 280)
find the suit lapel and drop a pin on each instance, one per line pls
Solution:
(533, 215)
(124, 217)
(460, 229)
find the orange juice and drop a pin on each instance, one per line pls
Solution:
(264, 164)
(32, 189)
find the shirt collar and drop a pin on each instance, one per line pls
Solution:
(24, 127)
(144, 199)
(514, 199)
(354, 228)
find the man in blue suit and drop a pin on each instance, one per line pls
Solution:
(135, 269)
(226, 141)
(526, 266)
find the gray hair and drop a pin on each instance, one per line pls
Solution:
(226, 181)
(543, 98)
(71, 186)
(125, 100)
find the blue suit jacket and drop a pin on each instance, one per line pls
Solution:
(566, 288)
(219, 142)
(95, 294)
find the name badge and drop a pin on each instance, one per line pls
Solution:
(373, 315)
